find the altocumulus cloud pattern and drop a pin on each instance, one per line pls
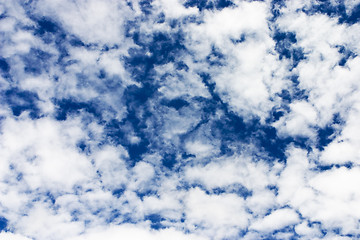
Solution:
(179, 119)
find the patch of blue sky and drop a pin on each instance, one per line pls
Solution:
(203, 5)
(3, 223)
(20, 101)
(336, 9)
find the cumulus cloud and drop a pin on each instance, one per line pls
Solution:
(135, 232)
(179, 119)
(276, 220)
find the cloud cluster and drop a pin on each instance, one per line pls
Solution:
(179, 119)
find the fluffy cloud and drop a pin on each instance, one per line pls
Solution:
(135, 232)
(179, 119)
(276, 220)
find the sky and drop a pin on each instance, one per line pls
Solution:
(179, 119)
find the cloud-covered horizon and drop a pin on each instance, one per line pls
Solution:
(179, 119)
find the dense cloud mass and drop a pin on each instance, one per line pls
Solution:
(179, 119)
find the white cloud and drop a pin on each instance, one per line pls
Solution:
(329, 86)
(345, 147)
(304, 229)
(350, 5)
(174, 8)
(43, 223)
(7, 25)
(199, 149)
(219, 215)
(220, 26)
(167, 204)
(261, 201)
(134, 232)
(332, 236)
(12, 236)
(299, 121)
(278, 219)
(237, 169)
(339, 184)
(51, 189)
(45, 152)
(184, 83)
(328, 197)
(143, 172)
(92, 21)
(110, 164)
(293, 181)
(252, 74)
